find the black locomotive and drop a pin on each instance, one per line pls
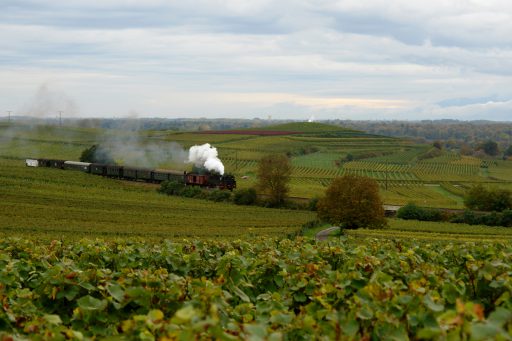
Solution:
(203, 179)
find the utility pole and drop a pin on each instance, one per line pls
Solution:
(60, 118)
(9, 112)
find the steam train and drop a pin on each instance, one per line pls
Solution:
(206, 179)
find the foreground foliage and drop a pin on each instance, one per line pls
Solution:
(267, 289)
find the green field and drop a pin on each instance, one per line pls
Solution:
(318, 155)
(54, 203)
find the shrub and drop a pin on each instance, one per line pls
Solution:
(506, 218)
(245, 196)
(191, 192)
(171, 187)
(313, 204)
(491, 219)
(218, 195)
(413, 212)
(481, 199)
(410, 211)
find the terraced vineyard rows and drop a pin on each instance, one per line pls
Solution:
(430, 171)
(401, 154)
(318, 156)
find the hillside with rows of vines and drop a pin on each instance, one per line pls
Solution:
(406, 171)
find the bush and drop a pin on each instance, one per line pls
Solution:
(191, 192)
(219, 196)
(171, 187)
(491, 219)
(413, 212)
(506, 218)
(481, 199)
(409, 212)
(245, 196)
(313, 203)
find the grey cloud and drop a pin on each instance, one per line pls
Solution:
(430, 54)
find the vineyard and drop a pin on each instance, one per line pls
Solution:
(318, 153)
(424, 230)
(53, 203)
(85, 257)
(266, 289)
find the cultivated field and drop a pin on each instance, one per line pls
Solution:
(318, 153)
(54, 203)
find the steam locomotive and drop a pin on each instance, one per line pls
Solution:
(203, 179)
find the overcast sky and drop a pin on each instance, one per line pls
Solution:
(351, 59)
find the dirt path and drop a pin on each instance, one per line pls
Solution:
(324, 234)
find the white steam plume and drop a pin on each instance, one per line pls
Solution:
(206, 156)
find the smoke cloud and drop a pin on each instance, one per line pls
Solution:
(206, 156)
(47, 102)
(131, 146)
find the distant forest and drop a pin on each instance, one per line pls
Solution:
(462, 131)
(452, 133)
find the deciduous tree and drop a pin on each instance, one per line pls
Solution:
(96, 154)
(274, 173)
(352, 202)
(490, 147)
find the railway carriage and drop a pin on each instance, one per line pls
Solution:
(98, 169)
(80, 166)
(114, 171)
(160, 175)
(51, 163)
(198, 178)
